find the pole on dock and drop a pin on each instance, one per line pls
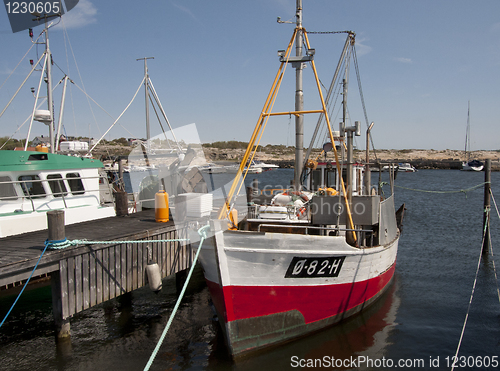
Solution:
(57, 232)
(487, 206)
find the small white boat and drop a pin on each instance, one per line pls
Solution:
(212, 168)
(233, 169)
(406, 168)
(263, 165)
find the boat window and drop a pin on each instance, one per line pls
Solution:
(7, 190)
(32, 186)
(315, 179)
(57, 185)
(331, 178)
(75, 183)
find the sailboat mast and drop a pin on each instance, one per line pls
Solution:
(467, 133)
(299, 101)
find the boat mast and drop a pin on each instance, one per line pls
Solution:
(299, 101)
(146, 89)
(467, 133)
(50, 103)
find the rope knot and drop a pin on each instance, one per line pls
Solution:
(57, 244)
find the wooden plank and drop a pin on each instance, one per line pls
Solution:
(123, 281)
(105, 275)
(63, 275)
(134, 265)
(71, 287)
(78, 284)
(85, 281)
(113, 256)
(93, 279)
(140, 265)
(145, 258)
(98, 269)
(128, 286)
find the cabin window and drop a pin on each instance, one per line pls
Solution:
(32, 186)
(57, 185)
(315, 179)
(75, 183)
(7, 190)
(331, 178)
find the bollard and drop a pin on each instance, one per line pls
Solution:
(121, 203)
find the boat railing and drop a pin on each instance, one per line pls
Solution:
(368, 233)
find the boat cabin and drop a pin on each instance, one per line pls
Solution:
(32, 183)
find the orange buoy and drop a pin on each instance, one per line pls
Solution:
(161, 206)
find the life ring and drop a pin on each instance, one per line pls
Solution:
(302, 212)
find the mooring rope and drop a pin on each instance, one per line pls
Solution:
(491, 249)
(62, 244)
(440, 192)
(487, 212)
(26, 284)
(203, 234)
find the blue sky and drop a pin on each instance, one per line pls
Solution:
(420, 63)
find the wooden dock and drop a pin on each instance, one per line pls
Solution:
(87, 275)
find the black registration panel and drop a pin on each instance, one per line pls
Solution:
(315, 267)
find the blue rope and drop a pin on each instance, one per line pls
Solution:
(57, 244)
(26, 284)
(203, 234)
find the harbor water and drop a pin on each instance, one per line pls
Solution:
(416, 325)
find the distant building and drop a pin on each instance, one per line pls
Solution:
(40, 140)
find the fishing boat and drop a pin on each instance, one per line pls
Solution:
(303, 258)
(34, 182)
(468, 164)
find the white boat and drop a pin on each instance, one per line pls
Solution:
(406, 167)
(233, 169)
(32, 183)
(468, 164)
(306, 257)
(212, 168)
(263, 165)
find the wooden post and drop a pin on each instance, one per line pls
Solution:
(121, 203)
(487, 206)
(57, 232)
(121, 183)
(55, 222)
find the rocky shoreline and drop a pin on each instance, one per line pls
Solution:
(419, 158)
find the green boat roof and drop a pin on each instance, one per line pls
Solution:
(35, 161)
